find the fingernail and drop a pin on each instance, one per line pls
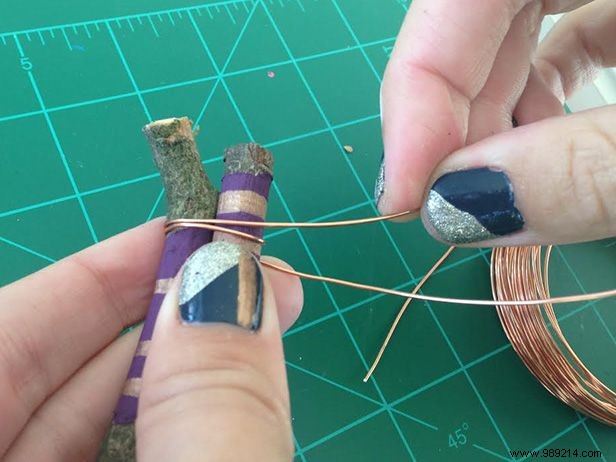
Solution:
(379, 185)
(473, 205)
(222, 282)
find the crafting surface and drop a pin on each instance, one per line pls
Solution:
(301, 77)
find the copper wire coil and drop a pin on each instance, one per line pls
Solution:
(520, 273)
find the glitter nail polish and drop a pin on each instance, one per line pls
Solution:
(473, 205)
(222, 282)
(379, 185)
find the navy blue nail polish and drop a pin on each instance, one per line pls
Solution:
(379, 185)
(473, 205)
(222, 283)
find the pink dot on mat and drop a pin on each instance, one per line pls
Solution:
(271, 74)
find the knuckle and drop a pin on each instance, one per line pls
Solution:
(593, 53)
(559, 6)
(65, 446)
(400, 68)
(126, 313)
(227, 380)
(22, 364)
(555, 77)
(531, 16)
(590, 175)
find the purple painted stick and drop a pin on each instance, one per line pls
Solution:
(189, 195)
(245, 191)
(178, 247)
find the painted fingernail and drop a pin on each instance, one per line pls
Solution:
(473, 205)
(379, 185)
(222, 282)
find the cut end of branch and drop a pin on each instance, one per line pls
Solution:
(248, 158)
(189, 191)
(169, 131)
(119, 445)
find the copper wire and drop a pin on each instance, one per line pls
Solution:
(522, 298)
(408, 301)
(174, 225)
(536, 336)
(280, 224)
(213, 225)
(451, 300)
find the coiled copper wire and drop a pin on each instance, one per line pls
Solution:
(518, 273)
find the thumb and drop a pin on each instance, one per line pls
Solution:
(215, 388)
(553, 182)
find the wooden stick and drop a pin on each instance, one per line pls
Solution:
(243, 195)
(245, 191)
(189, 194)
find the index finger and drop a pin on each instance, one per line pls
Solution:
(441, 61)
(53, 321)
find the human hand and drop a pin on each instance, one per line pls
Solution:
(213, 392)
(458, 74)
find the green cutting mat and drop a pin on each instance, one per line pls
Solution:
(79, 79)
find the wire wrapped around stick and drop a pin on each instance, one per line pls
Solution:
(522, 298)
(216, 224)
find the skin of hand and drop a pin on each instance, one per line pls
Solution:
(459, 73)
(213, 392)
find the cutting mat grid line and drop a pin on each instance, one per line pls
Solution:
(290, 215)
(582, 419)
(319, 436)
(461, 369)
(128, 71)
(151, 176)
(442, 269)
(580, 286)
(208, 7)
(398, 252)
(214, 87)
(356, 40)
(307, 247)
(155, 89)
(54, 135)
(410, 273)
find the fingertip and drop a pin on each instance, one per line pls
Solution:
(426, 220)
(284, 291)
(541, 183)
(423, 121)
(288, 292)
(208, 371)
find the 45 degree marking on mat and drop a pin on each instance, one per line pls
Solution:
(458, 437)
